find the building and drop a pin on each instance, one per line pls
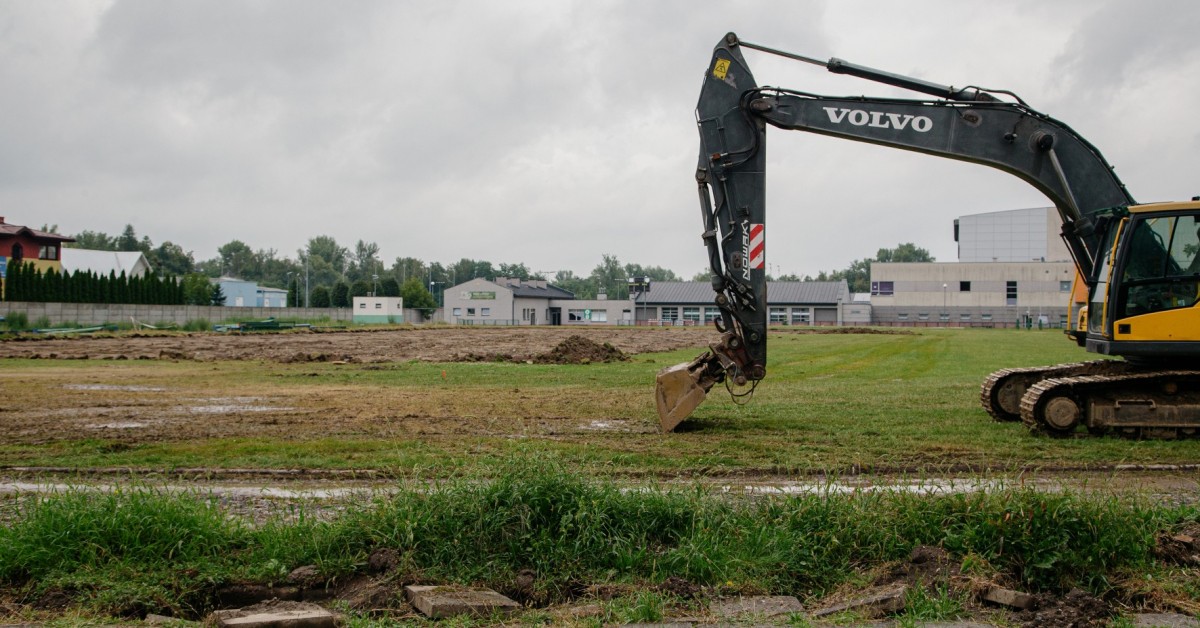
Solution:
(1018, 235)
(1013, 269)
(507, 301)
(378, 309)
(241, 293)
(132, 263)
(22, 244)
(788, 302)
(971, 294)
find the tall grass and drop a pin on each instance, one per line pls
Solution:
(137, 550)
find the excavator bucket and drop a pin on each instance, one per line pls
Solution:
(679, 390)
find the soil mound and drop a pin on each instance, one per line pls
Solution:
(580, 350)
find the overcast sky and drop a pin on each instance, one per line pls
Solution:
(549, 132)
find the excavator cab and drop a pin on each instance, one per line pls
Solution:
(1144, 302)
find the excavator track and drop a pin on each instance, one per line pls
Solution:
(1003, 390)
(1153, 404)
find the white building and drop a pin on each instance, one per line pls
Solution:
(1019, 235)
(378, 309)
(132, 263)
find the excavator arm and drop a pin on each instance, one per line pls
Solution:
(969, 124)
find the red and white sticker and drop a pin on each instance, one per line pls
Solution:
(758, 247)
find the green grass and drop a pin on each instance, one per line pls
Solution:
(898, 402)
(140, 550)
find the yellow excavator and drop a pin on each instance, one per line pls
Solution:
(1139, 263)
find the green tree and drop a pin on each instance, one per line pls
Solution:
(197, 290)
(389, 287)
(360, 288)
(339, 295)
(93, 240)
(320, 296)
(906, 252)
(218, 295)
(128, 240)
(417, 297)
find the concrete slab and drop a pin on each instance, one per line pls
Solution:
(1007, 597)
(1164, 620)
(437, 602)
(284, 619)
(758, 605)
(874, 604)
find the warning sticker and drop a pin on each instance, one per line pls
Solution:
(721, 68)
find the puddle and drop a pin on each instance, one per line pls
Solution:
(923, 487)
(114, 387)
(115, 426)
(229, 409)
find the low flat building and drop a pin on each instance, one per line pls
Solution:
(378, 309)
(971, 294)
(505, 301)
(788, 303)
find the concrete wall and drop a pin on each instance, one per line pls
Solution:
(100, 314)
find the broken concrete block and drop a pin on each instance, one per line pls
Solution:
(760, 605)
(284, 619)
(875, 604)
(1008, 597)
(437, 602)
(1164, 620)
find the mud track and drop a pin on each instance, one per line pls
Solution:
(433, 344)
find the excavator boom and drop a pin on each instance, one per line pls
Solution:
(969, 124)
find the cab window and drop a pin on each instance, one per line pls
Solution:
(1162, 266)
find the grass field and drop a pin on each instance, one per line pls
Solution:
(831, 402)
(507, 468)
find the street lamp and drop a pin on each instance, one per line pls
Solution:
(290, 299)
(374, 285)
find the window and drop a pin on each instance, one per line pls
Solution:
(964, 286)
(778, 315)
(458, 311)
(801, 316)
(711, 314)
(48, 252)
(1064, 286)
(986, 317)
(599, 316)
(902, 316)
(362, 306)
(882, 288)
(1010, 293)
(18, 252)
(964, 317)
(379, 306)
(922, 316)
(944, 316)
(691, 314)
(485, 311)
(1164, 259)
(527, 314)
(470, 311)
(670, 314)
(578, 315)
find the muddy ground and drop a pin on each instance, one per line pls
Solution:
(434, 344)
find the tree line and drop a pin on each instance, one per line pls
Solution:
(326, 272)
(23, 282)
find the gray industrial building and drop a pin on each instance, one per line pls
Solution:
(1013, 269)
(508, 301)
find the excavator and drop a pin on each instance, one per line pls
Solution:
(1140, 262)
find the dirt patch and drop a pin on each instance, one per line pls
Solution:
(926, 565)
(430, 344)
(1179, 548)
(1076, 609)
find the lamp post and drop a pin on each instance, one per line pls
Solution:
(289, 289)
(374, 285)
